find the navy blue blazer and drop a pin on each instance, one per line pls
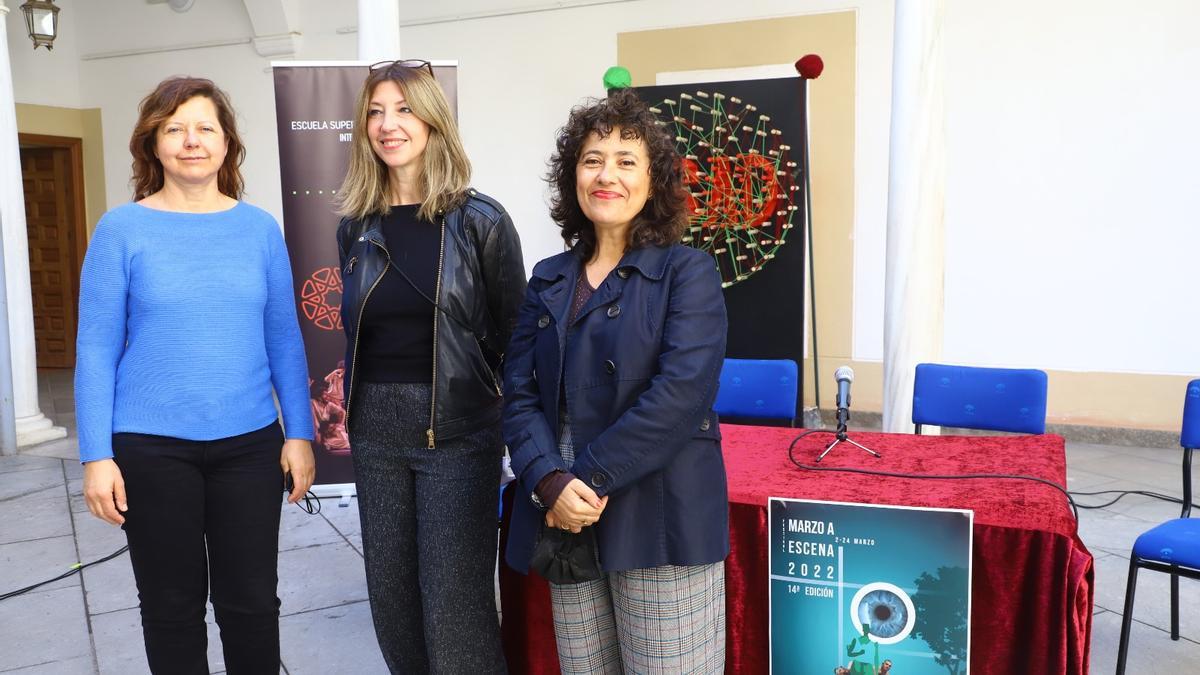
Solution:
(639, 370)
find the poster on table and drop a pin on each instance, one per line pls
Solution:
(314, 114)
(863, 589)
(742, 144)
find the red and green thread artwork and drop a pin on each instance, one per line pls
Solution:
(741, 183)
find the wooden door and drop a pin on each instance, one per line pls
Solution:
(50, 201)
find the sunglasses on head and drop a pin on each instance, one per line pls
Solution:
(405, 63)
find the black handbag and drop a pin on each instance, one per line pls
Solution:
(563, 557)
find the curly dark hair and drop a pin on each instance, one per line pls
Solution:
(663, 219)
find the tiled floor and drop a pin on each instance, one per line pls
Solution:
(88, 623)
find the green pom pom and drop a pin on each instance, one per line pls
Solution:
(617, 77)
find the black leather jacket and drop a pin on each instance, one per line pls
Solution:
(481, 282)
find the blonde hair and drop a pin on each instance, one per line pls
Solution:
(445, 170)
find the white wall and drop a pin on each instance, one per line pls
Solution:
(1071, 140)
(117, 83)
(46, 77)
(521, 74)
(1072, 190)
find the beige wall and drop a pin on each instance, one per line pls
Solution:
(73, 123)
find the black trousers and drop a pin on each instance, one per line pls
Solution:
(201, 512)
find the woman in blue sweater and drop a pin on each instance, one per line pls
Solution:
(187, 325)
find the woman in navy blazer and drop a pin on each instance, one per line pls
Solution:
(609, 380)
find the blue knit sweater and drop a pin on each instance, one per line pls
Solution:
(186, 322)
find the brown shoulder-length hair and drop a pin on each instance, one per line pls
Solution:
(445, 169)
(664, 217)
(156, 109)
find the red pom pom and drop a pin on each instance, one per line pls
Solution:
(810, 66)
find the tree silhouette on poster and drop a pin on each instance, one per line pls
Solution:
(942, 616)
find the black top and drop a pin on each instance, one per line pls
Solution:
(396, 334)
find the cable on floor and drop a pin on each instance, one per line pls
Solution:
(74, 570)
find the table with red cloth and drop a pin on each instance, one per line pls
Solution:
(1032, 577)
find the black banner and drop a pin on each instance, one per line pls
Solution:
(314, 112)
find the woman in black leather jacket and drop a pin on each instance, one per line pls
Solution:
(432, 277)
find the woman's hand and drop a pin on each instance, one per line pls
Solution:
(576, 507)
(296, 459)
(104, 490)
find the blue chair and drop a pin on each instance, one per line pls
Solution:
(997, 399)
(758, 388)
(1174, 546)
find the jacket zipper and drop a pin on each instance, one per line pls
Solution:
(437, 298)
(361, 308)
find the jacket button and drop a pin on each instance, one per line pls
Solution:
(544, 321)
(614, 310)
(623, 272)
(599, 479)
(705, 425)
(610, 367)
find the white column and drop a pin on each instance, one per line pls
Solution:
(378, 30)
(914, 291)
(32, 425)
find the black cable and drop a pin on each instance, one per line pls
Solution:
(312, 505)
(74, 570)
(1121, 494)
(308, 506)
(872, 472)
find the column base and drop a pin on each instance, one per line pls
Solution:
(34, 429)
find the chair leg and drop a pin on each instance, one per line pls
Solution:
(1174, 606)
(1127, 617)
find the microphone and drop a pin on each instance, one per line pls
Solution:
(844, 377)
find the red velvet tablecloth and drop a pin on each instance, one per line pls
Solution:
(1031, 607)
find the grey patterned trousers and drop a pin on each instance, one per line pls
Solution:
(667, 619)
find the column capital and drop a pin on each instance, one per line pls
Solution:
(3, 8)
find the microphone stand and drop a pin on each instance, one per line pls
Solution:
(843, 416)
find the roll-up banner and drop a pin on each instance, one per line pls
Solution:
(314, 113)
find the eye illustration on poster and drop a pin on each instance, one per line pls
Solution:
(741, 142)
(314, 113)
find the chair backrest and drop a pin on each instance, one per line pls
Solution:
(1189, 436)
(765, 388)
(997, 399)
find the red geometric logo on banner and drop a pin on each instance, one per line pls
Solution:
(314, 298)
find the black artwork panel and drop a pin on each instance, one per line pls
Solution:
(741, 203)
